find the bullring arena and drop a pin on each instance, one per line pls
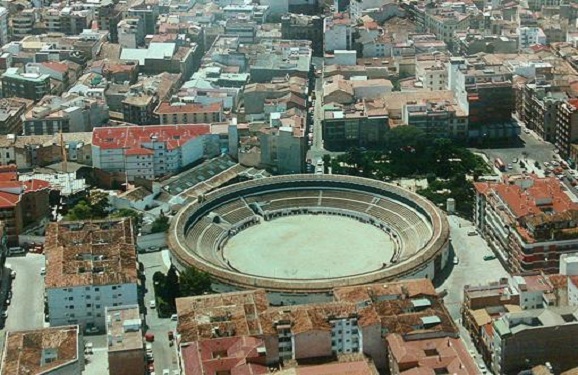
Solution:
(310, 233)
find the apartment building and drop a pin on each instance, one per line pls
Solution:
(151, 151)
(540, 106)
(47, 351)
(445, 22)
(31, 86)
(138, 108)
(69, 113)
(566, 127)
(528, 221)
(90, 266)
(432, 74)
(4, 36)
(124, 333)
(131, 32)
(22, 203)
(425, 355)
(23, 23)
(440, 119)
(361, 124)
(356, 322)
(173, 113)
(337, 33)
(536, 336)
(11, 111)
(303, 27)
(486, 94)
(529, 36)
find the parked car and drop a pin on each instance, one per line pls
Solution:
(472, 233)
(489, 257)
(153, 304)
(4, 314)
(456, 260)
(43, 271)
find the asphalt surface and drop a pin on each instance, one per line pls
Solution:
(471, 269)
(26, 310)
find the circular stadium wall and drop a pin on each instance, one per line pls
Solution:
(310, 233)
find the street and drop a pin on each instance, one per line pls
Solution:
(26, 310)
(471, 269)
(165, 356)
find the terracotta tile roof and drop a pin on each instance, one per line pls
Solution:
(11, 191)
(57, 66)
(100, 252)
(168, 108)
(133, 139)
(439, 354)
(24, 350)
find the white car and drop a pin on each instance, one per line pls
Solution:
(456, 260)
(166, 372)
(43, 271)
(153, 304)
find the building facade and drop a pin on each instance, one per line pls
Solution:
(89, 266)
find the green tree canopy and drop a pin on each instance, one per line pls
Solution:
(194, 282)
(161, 224)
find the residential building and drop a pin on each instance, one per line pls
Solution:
(277, 58)
(173, 113)
(540, 105)
(425, 356)
(528, 221)
(529, 36)
(4, 36)
(445, 22)
(281, 94)
(242, 28)
(536, 336)
(90, 265)
(164, 57)
(566, 126)
(124, 333)
(337, 33)
(148, 12)
(131, 32)
(42, 150)
(468, 43)
(22, 203)
(361, 124)
(151, 151)
(49, 351)
(278, 145)
(432, 74)
(11, 111)
(486, 94)
(68, 113)
(303, 27)
(357, 321)
(138, 108)
(23, 23)
(31, 86)
(439, 119)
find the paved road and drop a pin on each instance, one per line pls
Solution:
(471, 269)
(165, 356)
(26, 310)
(531, 148)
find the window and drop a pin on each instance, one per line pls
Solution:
(97, 289)
(71, 298)
(89, 305)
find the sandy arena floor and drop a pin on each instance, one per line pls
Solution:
(309, 247)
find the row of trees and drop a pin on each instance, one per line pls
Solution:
(191, 282)
(409, 152)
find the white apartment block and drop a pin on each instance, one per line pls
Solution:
(529, 36)
(151, 151)
(89, 266)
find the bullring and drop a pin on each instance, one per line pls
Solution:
(310, 233)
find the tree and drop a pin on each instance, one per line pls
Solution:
(128, 212)
(172, 288)
(193, 282)
(95, 207)
(161, 224)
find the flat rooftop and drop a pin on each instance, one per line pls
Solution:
(100, 252)
(124, 328)
(40, 351)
